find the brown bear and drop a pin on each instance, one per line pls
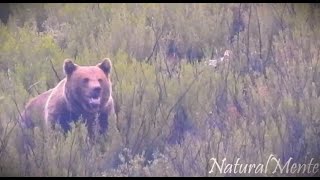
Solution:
(85, 92)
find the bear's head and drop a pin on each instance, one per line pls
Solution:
(87, 88)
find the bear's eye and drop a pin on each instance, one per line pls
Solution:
(86, 80)
(100, 80)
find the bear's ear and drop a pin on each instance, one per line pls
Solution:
(69, 67)
(105, 65)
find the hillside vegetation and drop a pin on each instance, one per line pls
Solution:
(174, 112)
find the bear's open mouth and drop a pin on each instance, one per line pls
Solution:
(94, 102)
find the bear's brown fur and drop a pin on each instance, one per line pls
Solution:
(85, 92)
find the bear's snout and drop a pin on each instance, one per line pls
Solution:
(94, 98)
(96, 92)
